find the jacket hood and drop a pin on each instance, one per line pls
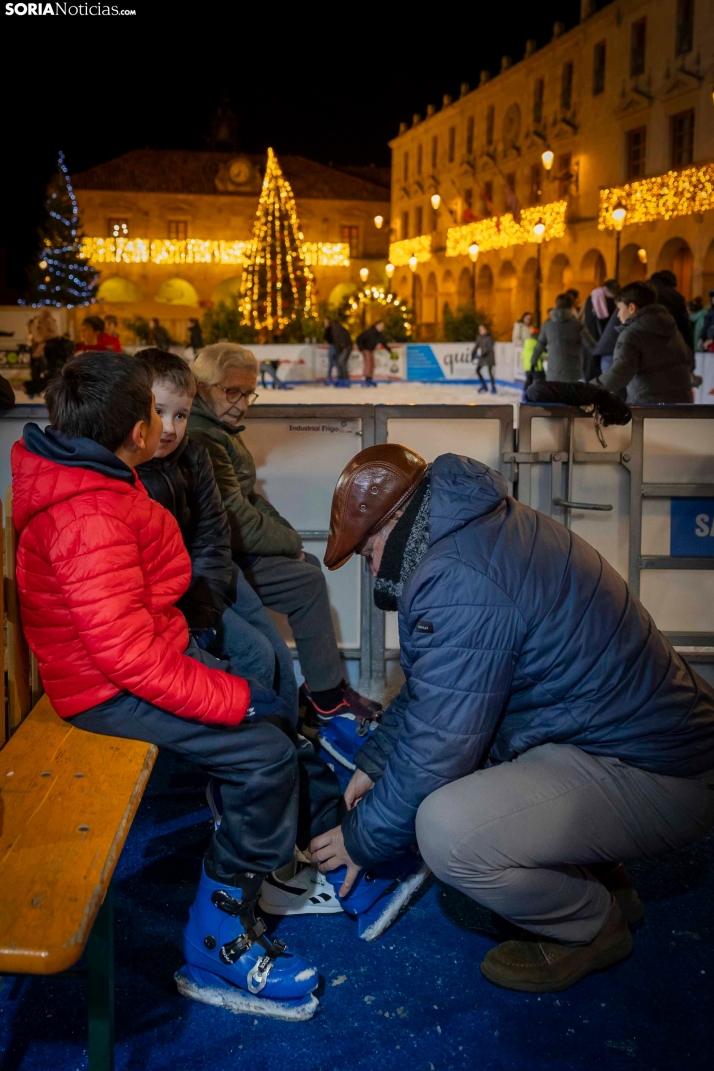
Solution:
(199, 408)
(48, 468)
(559, 316)
(461, 490)
(654, 319)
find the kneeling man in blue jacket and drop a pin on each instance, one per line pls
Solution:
(546, 729)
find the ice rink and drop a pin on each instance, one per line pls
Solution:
(392, 392)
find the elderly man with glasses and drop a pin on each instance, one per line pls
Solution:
(269, 550)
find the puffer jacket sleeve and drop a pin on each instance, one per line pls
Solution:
(253, 530)
(458, 684)
(98, 567)
(374, 754)
(211, 559)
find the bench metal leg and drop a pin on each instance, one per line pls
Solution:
(100, 981)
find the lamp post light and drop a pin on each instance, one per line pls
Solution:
(473, 256)
(619, 215)
(364, 274)
(389, 272)
(547, 156)
(435, 201)
(539, 231)
(378, 221)
(413, 262)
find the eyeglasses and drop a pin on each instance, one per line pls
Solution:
(234, 394)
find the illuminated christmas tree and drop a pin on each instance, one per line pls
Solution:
(61, 276)
(277, 286)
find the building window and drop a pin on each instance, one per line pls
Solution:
(638, 41)
(487, 195)
(536, 184)
(509, 191)
(598, 68)
(406, 166)
(490, 121)
(452, 143)
(419, 159)
(434, 151)
(117, 228)
(178, 228)
(636, 150)
(564, 174)
(470, 135)
(405, 224)
(685, 26)
(566, 87)
(683, 138)
(538, 89)
(351, 234)
(418, 220)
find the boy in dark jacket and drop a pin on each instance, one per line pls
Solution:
(223, 612)
(100, 568)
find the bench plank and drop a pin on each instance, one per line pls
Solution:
(61, 835)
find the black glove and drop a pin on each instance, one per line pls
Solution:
(264, 703)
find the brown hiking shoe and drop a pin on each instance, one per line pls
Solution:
(547, 966)
(617, 881)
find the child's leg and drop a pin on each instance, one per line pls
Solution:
(250, 609)
(479, 366)
(248, 651)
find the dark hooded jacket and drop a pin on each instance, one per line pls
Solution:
(185, 485)
(563, 337)
(651, 359)
(514, 632)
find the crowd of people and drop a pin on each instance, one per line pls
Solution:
(637, 341)
(516, 763)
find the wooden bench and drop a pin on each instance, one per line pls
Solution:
(67, 801)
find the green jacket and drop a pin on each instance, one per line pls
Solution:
(256, 528)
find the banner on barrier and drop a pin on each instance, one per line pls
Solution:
(441, 362)
(692, 527)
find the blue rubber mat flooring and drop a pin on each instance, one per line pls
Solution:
(413, 1001)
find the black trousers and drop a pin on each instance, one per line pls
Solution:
(276, 791)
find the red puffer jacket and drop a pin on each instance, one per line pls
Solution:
(99, 568)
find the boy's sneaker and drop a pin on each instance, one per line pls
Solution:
(298, 889)
(345, 701)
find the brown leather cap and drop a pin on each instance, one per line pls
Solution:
(372, 487)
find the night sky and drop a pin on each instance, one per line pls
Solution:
(332, 86)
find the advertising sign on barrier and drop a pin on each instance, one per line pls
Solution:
(692, 528)
(441, 362)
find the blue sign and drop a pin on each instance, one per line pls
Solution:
(692, 528)
(423, 365)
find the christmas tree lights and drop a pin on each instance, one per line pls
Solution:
(62, 276)
(676, 193)
(499, 232)
(277, 286)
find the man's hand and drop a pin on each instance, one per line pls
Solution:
(359, 786)
(328, 852)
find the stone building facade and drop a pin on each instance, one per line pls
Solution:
(166, 228)
(623, 97)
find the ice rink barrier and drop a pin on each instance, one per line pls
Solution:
(645, 501)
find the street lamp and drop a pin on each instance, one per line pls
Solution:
(364, 274)
(642, 256)
(547, 156)
(473, 256)
(435, 201)
(539, 231)
(378, 221)
(413, 262)
(389, 269)
(619, 215)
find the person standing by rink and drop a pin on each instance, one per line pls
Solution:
(484, 356)
(545, 731)
(368, 342)
(562, 338)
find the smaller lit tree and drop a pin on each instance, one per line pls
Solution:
(61, 276)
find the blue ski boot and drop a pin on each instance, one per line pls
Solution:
(232, 964)
(342, 736)
(380, 893)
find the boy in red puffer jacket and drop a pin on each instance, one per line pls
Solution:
(100, 567)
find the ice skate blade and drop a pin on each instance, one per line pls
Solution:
(399, 899)
(335, 754)
(210, 989)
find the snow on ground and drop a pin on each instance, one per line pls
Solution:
(394, 392)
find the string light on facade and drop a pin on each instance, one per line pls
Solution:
(401, 252)
(676, 193)
(276, 285)
(167, 251)
(377, 295)
(499, 232)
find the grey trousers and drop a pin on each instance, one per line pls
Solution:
(514, 837)
(299, 590)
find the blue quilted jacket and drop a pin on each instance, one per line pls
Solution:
(514, 632)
